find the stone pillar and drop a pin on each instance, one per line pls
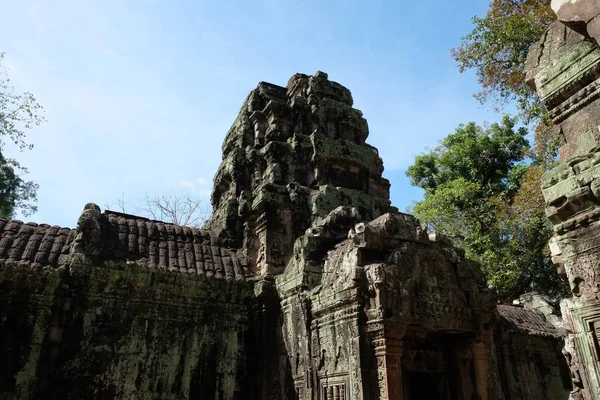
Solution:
(464, 363)
(272, 230)
(481, 362)
(387, 347)
(390, 354)
(564, 68)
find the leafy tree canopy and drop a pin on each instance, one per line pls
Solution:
(18, 112)
(15, 193)
(480, 191)
(484, 157)
(496, 50)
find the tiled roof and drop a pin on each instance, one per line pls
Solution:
(527, 320)
(163, 245)
(31, 243)
(125, 237)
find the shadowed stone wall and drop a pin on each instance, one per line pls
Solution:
(142, 325)
(529, 342)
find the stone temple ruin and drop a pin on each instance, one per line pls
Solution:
(564, 67)
(305, 282)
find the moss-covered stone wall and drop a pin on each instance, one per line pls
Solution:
(121, 331)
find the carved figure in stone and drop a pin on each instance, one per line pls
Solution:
(596, 331)
(570, 354)
(584, 275)
(244, 205)
(87, 240)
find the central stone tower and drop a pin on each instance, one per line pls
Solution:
(292, 155)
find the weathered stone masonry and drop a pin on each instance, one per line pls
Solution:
(564, 67)
(305, 284)
(121, 308)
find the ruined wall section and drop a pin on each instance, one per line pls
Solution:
(293, 155)
(583, 16)
(354, 317)
(529, 353)
(121, 307)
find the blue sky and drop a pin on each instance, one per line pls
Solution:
(140, 93)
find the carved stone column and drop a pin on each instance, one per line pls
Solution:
(272, 230)
(387, 348)
(564, 68)
(390, 354)
(481, 361)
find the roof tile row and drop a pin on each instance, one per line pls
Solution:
(527, 320)
(125, 238)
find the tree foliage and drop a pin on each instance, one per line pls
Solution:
(497, 49)
(480, 191)
(18, 112)
(15, 193)
(482, 156)
(497, 214)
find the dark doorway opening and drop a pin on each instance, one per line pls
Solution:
(428, 386)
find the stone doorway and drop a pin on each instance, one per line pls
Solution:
(427, 386)
(436, 366)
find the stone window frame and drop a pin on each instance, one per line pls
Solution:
(586, 317)
(300, 389)
(328, 381)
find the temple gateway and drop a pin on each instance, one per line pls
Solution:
(305, 282)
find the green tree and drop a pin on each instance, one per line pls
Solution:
(15, 193)
(482, 156)
(498, 45)
(496, 49)
(513, 246)
(480, 191)
(18, 112)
